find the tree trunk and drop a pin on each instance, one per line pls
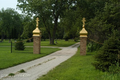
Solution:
(2, 37)
(52, 41)
(52, 35)
(54, 31)
(9, 40)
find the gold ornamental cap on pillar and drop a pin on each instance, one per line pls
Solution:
(36, 32)
(83, 32)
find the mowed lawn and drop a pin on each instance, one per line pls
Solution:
(8, 59)
(59, 43)
(78, 68)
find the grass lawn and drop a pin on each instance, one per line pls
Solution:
(60, 43)
(78, 68)
(8, 59)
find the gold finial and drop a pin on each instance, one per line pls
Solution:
(36, 32)
(83, 32)
(37, 22)
(83, 22)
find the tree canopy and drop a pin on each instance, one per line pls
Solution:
(10, 23)
(49, 12)
(62, 19)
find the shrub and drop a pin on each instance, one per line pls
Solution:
(76, 39)
(19, 45)
(91, 46)
(108, 54)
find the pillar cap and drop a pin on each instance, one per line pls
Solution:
(36, 32)
(83, 33)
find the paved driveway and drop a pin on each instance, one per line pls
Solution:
(36, 68)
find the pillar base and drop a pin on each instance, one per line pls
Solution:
(36, 44)
(83, 41)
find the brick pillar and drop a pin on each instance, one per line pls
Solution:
(36, 44)
(36, 38)
(83, 42)
(83, 39)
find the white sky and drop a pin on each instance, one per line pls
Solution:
(9, 4)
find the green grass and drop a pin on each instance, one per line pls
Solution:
(60, 43)
(8, 59)
(78, 68)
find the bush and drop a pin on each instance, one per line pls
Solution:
(66, 36)
(108, 54)
(114, 69)
(19, 45)
(76, 39)
(91, 46)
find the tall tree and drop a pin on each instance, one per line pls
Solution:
(10, 23)
(28, 26)
(49, 12)
(105, 21)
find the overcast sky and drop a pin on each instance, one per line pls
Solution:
(8, 4)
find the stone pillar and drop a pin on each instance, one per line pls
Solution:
(83, 39)
(36, 39)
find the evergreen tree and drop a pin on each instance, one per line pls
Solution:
(19, 45)
(108, 54)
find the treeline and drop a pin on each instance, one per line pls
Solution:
(62, 19)
(12, 24)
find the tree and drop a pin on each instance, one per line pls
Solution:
(108, 54)
(28, 26)
(70, 23)
(104, 28)
(105, 22)
(10, 23)
(72, 20)
(19, 45)
(49, 12)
